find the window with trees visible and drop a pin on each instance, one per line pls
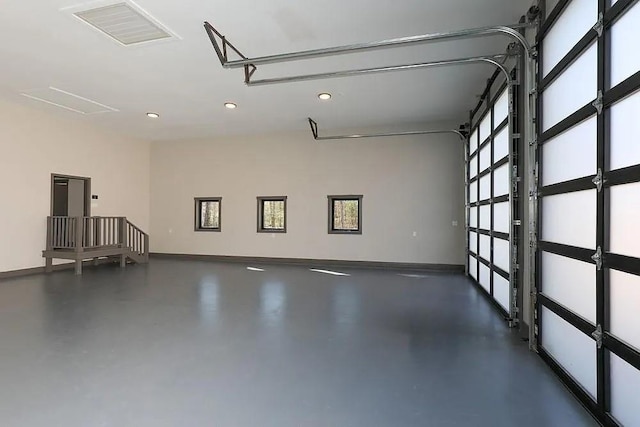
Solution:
(345, 214)
(208, 213)
(272, 214)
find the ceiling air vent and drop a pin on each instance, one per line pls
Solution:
(125, 22)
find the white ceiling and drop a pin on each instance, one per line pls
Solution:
(182, 80)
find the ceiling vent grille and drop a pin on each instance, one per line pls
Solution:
(125, 22)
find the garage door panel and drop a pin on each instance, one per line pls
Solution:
(501, 181)
(501, 290)
(501, 109)
(625, 307)
(576, 20)
(501, 253)
(485, 277)
(579, 80)
(473, 267)
(571, 283)
(625, 34)
(625, 399)
(570, 219)
(485, 187)
(625, 150)
(485, 247)
(625, 216)
(588, 311)
(501, 145)
(485, 217)
(573, 350)
(571, 155)
(501, 217)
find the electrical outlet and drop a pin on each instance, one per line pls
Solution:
(415, 234)
(454, 223)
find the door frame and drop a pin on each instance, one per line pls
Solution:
(87, 191)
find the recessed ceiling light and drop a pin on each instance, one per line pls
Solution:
(153, 115)
(324, 96)
(230, 105)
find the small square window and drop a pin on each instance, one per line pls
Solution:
(208, 213)
(272, 214)
(345, 214)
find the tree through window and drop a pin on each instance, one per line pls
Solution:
(272, 214)
(208, 213)
(345, 214)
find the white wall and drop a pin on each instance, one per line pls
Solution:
(409, 184)
(33, 145)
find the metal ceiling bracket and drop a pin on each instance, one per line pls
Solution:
(317, 137)
(598, 335)
(599, 102)
(598, 180)
(221, 47)
(314, 128)
(599, 27)
(597, 258)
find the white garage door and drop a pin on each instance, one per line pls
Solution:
(588, 250)
(491, 208)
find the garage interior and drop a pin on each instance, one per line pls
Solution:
(327, 214)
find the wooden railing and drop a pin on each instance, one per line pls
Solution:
(136, 240)
(86, 233)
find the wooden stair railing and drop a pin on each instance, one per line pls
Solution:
(81, 238)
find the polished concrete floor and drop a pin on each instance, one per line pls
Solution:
(179, 343)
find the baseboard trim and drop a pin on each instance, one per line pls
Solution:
(59, 267)
(376, 265)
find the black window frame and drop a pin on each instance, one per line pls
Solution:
(350, 197)
(260, 215)
(198, 214)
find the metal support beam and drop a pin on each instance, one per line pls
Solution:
(317, 137)
(221, 50)
(493, 59)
